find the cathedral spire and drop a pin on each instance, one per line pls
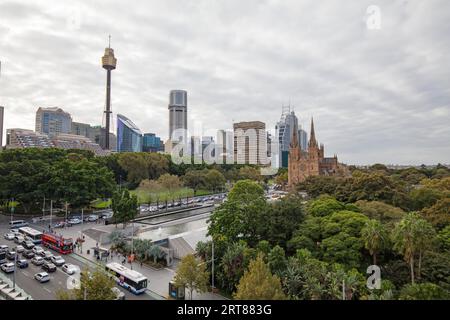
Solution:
(312, 136)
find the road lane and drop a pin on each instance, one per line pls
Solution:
(58, 279)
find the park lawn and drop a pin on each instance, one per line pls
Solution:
(101, 204)
(150, 196)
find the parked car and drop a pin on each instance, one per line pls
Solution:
(49, 267)
(8, 267)
(18, 239)
(38, 261)
(38, 250)
(47, 255)
(69, 268)
(20, 249)
(28, 254)
(28, 244)
(74, 221)
(42, 277)
(57, 260)
(9, 236)
(119, 294)
(22, 263)
(92, 218)
(60, 224)
(15, 232)
(11, 254)
(3, 248)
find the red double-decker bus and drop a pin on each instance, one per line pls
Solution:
(57, 243)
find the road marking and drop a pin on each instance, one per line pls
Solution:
(26, 274)
(47, 290)
(170, 270)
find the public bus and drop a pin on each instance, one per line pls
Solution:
(17, 224)
(57, 243)
(31, 234)
(127, 278)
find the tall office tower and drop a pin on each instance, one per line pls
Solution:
(2, 113)
(225, 147)
(303, 137)
(109, 63)
(285, 128)
(53, 121)
(177, 112)
(129, 137)
(250, 142)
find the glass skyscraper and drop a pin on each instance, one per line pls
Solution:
(129, 137)
(152, 143)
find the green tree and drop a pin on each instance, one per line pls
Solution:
(195, 179)
(324, 205)
(96, 285)
(258, 283)
(239, 218)
(170, 182)
(250, 173)
(411, 236)
(439, 213)
(124, 206)
(277, 260)
(375, 238)
(192, 275)
(214, 180)
(423, 291)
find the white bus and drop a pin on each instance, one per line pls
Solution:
(17, 224)
(31, 234)
(127, 278)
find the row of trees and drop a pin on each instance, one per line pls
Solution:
(73, 176)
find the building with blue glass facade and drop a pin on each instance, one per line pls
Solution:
(53, 121)
(152, 143)
(129, 137)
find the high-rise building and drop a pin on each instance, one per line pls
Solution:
(129, 137)
(285, 129)
(152, 143)
(303, 139)
(109, 63)
(225, 146)
(53, 121)
(177, 112)
(2, 113)
(250, 142)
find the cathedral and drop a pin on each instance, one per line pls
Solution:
(311, 163)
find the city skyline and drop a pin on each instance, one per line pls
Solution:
(377, 95)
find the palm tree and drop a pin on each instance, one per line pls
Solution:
(375, 238)
(412, 236)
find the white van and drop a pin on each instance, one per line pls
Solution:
(17, 224)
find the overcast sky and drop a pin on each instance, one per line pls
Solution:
(377, 95)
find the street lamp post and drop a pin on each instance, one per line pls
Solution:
(212, 264)
(12, 209)
(51, 214)
(15, 267)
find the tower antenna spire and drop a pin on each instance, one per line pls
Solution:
(109, 41)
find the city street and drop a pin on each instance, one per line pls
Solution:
(48, 291)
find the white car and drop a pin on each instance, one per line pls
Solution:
(69, 268)
(119, 294)
(15, 231)
(93, 218)
(9, 236)
(38, 250)
(20, 249)
(57, 260)
(37, 261)
(74, 221)
(3, 248)
(42, 277)
(8, 267)
(47, 255)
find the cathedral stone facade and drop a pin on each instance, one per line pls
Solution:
(311, 163)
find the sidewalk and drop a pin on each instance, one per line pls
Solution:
(158, 280)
